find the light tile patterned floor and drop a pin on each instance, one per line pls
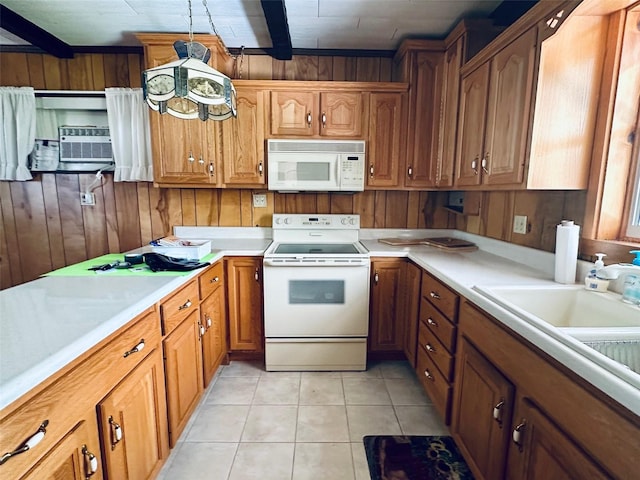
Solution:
(257, 425)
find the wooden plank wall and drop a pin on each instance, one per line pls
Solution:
(43, 226)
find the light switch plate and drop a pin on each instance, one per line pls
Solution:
(259, 200)
(520, 224)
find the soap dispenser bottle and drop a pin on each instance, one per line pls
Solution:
(631, 292)
(591, 281)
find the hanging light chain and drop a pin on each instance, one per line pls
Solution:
(213, 27)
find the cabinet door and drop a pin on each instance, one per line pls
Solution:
(386, 333)
(243, 140)
(133, 422)
(386, 145)
(426, 90)
(508, 108)
(76, 457)
(482, 408)
(214, 340)
(471, 125)
(183, 371)
(543, 451)
(244, 294)
(294, 113)
(410, 310)
(342, 114)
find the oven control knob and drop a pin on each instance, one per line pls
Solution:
(352, 221)
(345, 221)
(287, 221)
(278, 221)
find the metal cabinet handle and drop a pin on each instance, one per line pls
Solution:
(215, 279)
(201, 160)
(201, 329)
(484, 163)
(309, 120)
(410, 171)
(135, 349)
(187, 304)
(209, 322)
(432, 322)
(211, 169)
(427, 374)
(90, 462)
(474, 165)
(371, 171)
(256, 275)
(517, 434)
(116, 432)
(376, 278)
(191, 158)
(429, 348)
(260, 168)
(324, 120)
(497, 412)
(434, 295)
(28, 444)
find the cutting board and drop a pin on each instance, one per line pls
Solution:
(445, 243)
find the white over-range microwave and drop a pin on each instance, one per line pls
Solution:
(316, 165)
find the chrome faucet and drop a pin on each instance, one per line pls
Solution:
(613, 271)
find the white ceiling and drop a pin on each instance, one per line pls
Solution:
(313, 24)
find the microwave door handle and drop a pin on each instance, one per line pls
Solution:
(338, 169)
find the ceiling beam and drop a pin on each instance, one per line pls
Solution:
(275, 14)
(30, 32)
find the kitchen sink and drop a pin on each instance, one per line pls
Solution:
(598, 320)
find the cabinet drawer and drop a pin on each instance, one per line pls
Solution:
(442, 328)
(437, 387)
(436, 351)
(445, 299)
(175, 308)
(85, 384)
(211, 279)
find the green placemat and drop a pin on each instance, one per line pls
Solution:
(82, 269)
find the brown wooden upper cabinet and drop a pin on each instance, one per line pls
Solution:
(311, 113)
(528, 103)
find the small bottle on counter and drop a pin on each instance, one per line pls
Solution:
(591, 281)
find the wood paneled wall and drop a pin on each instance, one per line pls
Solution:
(43, 226)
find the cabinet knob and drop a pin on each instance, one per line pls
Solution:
(191, 158)
(427, 374)
(28, 444)
(517, 434)
(429, 348)
(201, 160)
(324, 120)
(309, 120)
(485, 162)
(135, 349)
(90, 462)
(474, 165)
(116, 432)
(432, 322)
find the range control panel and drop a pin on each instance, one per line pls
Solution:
(313, 221)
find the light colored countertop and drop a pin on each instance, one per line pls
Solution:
(47, 323)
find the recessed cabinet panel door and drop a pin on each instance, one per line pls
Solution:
(244, 294)
(385, 148)
(294, 113)
(508, 112)
(471, 122)
(386, 331)
(214, 345)
(449, 117)
(342, 114)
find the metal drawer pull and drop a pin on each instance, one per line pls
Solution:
(28, 444)
(116, 432)
(90, 462)
(517, 434)
(186, 305)
(214, 279)
(324, 120)
(410, 171)
(429, 347)
(497, 412)
(135, 349)
(371, 171)
(474, 165)
(484, 163)
(309, 120)
(260, 169)
(432, 322)
(427, 374)
(435, 295)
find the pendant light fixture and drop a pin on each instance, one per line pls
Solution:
(189, 88)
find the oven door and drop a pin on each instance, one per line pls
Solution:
(316, 301)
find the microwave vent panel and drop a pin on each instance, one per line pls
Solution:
(315, 146)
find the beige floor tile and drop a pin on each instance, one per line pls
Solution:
(420, 420)
(200, 461)
(322, 423)
(218, 423)
(365, 391)
(277, 391)
(406, 392)
(271, 423)
(371, 420)
(321, 390)
(314, 461)
(398, 369)
(360, 466)
(263, 461)
(233, 391)
(322, 374)
(242, 369)
(372, 371)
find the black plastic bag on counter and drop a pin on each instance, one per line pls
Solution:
(163, 263)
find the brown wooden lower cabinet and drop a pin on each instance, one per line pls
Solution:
(133, 423)
(244, 298)
(214, 339)
(386, 330)
(519, 414)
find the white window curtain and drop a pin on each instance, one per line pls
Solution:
(128, 116)
(18, 117)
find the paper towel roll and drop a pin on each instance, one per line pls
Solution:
(567, 238)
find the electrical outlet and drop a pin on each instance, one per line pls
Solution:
(520, 224)
(259, 200)
(87, 198)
